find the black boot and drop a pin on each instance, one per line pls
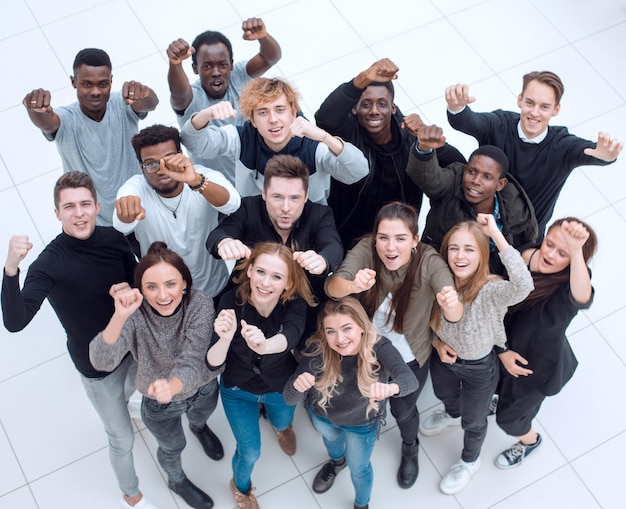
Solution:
(409, 468)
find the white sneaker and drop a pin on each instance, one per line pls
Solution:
(144, 503)
(134, 405)
(436, 422)
(458, 477)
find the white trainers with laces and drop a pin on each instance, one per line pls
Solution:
(436, 422)
(458, 477)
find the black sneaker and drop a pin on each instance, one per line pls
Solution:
(325, 478)
(514, 456)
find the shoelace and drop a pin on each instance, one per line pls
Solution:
(457, 470)
(328, 471)
(519, 449)
(439, 416)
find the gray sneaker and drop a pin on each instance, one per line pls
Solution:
(436, 422)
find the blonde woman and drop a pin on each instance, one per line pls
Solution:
(345, 376)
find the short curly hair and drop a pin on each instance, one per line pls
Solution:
(264, 90)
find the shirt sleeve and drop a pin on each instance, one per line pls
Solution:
(106, 357)
(198, 328)
(424, 170)
(348, 167)
(20, 306)
(211, 141)
(392, 362)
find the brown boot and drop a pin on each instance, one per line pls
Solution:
(244, 501)
(287, 440)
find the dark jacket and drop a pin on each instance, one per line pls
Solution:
(356, 205)
(448, 205)
(314, 230)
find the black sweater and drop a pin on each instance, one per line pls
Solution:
(75, 275)
(541, 168)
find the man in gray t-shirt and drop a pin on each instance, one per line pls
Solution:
(93, 135)
(219, 78)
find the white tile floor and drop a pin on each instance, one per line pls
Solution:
(52, 448)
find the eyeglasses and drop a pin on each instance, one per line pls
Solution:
(151, 167)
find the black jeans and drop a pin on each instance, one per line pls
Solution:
(404, 409)
(164, 422)
(466, 388)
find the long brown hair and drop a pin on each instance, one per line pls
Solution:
(158, 252)
(297, 282)
(546, 285)
(328, 375)
(401, 295)
(468, 290)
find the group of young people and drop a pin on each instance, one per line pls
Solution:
(335, 300)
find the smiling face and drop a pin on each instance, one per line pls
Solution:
(463, 255)
(343, 334)
(214, 66)
(481, 181)
(273, 121)
(394, 242)
(554, 255)
(284, 200)
(374, 111)
(159, 181)
(162, 286)
(93, 89)
(268, 279)
(77, 210)
(537, 106)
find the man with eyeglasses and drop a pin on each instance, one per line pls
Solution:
(93, 134)
(175, 202)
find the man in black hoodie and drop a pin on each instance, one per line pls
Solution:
(362, 112)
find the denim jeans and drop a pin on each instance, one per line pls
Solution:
(242, 411)
(404, 409)
(466, 388)
(355, 444)
(109, 396)
(164, 422)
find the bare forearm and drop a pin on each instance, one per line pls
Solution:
(147, 104)
(270, 50)
(454, 314)
(180, 89)
(580, 282)
(111, 333)
(48, 122)
(216, 356)
(339, 287)
(276, 344)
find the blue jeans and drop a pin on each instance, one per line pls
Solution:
(466, 388)
(355, 444)
(164, 422)
(242, 411)
(109, 396)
